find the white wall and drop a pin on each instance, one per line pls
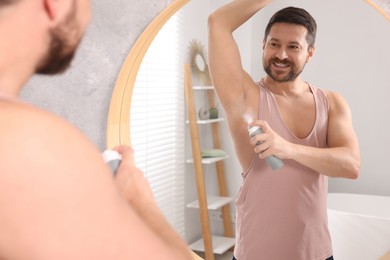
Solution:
(195, 18)
(351, 58)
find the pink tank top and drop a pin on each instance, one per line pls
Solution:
(282, 215)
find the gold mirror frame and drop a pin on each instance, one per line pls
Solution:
(381, 8)
(118, 121)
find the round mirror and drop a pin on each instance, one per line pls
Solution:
(200, 62)
(360, 35)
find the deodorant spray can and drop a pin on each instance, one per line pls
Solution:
(113, 159)
(274, 162)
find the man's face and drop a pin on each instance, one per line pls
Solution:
(64, 40)
(286, 52)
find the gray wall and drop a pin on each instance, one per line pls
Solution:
(82, 95)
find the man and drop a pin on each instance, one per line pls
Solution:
(281, 214)
(58, 199)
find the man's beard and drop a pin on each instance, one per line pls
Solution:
(61, 50)
(291, 75)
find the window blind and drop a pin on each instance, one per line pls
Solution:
(157, 120)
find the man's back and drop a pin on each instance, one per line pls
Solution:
(58, 198)
(51, 180)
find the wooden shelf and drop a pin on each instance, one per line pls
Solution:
(209, 244)
(209, 160)
(209, 121)
(220, 244)
(213, 202)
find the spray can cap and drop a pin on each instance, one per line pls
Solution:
(109, 155)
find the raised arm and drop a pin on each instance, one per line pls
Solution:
(228, 76)
(235, 88)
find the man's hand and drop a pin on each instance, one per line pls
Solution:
(270, 142)
(131, 181)
(135, 189)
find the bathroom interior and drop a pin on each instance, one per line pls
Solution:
(352, 58)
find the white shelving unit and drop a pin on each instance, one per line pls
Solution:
(209, 160)
(203, 87)
(220, 244)
(213, 202)
(209, 243)
(210, 121)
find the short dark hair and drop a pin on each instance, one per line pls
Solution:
(294, 15)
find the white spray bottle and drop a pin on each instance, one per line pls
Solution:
(113, 159)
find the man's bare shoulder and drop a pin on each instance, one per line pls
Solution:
(337, 103)
(332, 94)
(34, 133)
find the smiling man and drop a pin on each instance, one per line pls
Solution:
(281, 214)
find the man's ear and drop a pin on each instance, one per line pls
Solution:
(310, 53)
(50, 8)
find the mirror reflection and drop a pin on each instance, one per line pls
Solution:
(351, 58)
(200, 62)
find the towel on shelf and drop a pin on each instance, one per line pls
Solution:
(210, 153)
